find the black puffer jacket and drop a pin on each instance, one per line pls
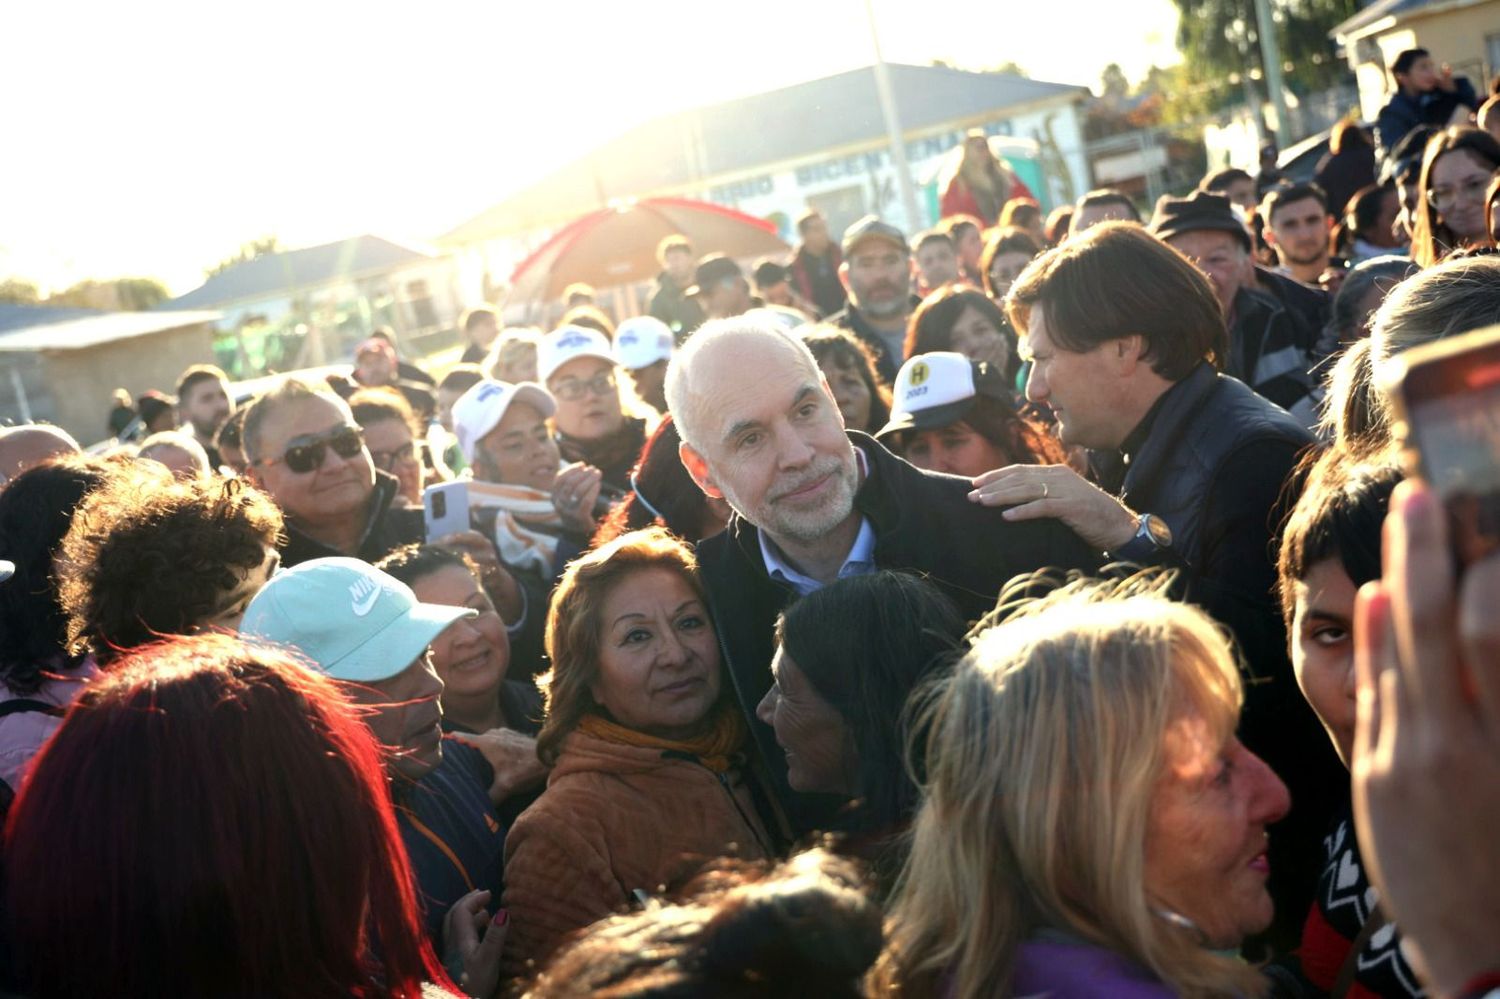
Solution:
(387, 529)
(924, 523)
(1216, 466)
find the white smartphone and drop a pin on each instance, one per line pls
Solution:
(446, 508)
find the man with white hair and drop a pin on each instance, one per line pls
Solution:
(814, 503)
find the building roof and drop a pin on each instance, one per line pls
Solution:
(1383, 14)
(801, 121)
(97, 329)
(275, 274)
(15, 317)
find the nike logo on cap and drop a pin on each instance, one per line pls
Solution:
(363, 593)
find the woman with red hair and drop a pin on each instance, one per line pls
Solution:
(212, 819)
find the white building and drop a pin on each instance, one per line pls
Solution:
(818, 144)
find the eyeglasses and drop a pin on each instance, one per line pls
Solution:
(303, 458)
(1443, 198)
(573, 389)
(398, 455)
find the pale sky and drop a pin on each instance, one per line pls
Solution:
(151, 138)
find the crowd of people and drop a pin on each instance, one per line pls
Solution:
(1035, 605)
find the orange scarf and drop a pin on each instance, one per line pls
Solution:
(715, 749)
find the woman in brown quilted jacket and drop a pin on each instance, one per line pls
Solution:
(644, 742)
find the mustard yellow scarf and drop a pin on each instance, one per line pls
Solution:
(715, 748)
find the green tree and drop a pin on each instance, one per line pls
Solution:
(1220, 44)
(1009, 66)
(1112, 83)
(247, 251)
(124, 294)
(16, 292)
(140, 294)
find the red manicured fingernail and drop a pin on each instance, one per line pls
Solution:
(502, 916)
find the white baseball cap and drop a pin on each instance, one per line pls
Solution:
(568, 343)
(480, 409)
(933, 390)
(641, 341)
(351, 620)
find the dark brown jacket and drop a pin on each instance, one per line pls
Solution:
(615, 818)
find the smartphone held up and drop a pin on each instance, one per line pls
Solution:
(1446, 402)
(445, 507)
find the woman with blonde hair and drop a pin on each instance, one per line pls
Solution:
(512, 358)
(979, 183)
(645, 745)
(1091, 825)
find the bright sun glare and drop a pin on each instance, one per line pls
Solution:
(169, 133)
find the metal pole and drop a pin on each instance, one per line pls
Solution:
(19, 387)
(892, 124)
(1270, 57)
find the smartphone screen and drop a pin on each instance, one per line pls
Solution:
(446, 508)
(1448, 401)
(1459, 442)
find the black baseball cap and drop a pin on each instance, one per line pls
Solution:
(714, 269)
(769, 272)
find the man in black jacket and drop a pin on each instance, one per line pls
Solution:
(1275, 324)
(305, 450)
(814, 503)
(815, 267)
(1425, 95)
(670, 302)
(1191, 470)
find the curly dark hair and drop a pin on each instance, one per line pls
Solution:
(414, 562)
(807, 927)
(153, 556)
(35, 511)
(830, 344)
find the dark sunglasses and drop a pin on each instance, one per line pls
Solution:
(303, 458)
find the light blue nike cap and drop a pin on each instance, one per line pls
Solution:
(351, 620)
